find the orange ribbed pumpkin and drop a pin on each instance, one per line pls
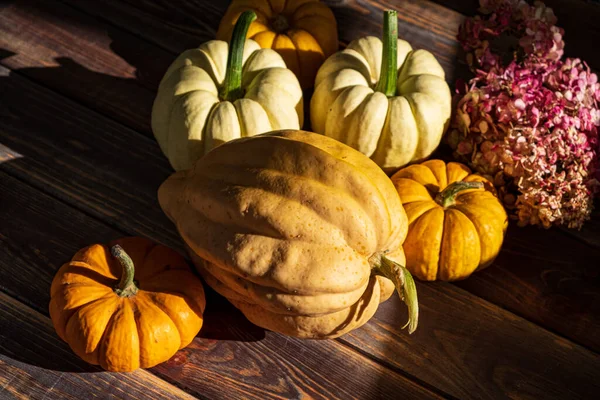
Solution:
(304, 32)
(133, 308)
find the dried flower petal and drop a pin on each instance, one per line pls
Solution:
(533, 124)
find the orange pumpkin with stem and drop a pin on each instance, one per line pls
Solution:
(127, 305)
(456, 223)
(303, 32)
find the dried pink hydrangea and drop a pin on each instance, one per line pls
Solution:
(531, 125)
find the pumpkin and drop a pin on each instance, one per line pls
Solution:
(304, 32)
(217, 92)
(456, 222)
(386, 100)
(300, 232)
(131, 304)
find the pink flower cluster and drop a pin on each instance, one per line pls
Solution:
(531, 125)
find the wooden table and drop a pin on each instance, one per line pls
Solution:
(79, 166)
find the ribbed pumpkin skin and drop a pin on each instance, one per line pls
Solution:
(189, 118)
(449, 244)
(308, 39)
(393, 131)
(286, 222)
(125, 333)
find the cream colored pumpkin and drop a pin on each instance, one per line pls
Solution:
(192, 112)
(395, 128)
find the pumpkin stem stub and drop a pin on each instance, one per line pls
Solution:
(389, 60)
(126, 286)
(280, 23)
(232, 85)
(447, 197)
(405, 286)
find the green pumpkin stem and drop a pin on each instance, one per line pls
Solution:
(232, 85)
(126, 286)
(447, 197)
(389, 60)
(405, 286)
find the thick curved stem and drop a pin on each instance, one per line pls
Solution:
(447, 197)
(405, 286)
(232, 86)
(389, 60)
(126, 286)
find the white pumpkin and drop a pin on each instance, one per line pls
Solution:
(395, 117)
(217, 93)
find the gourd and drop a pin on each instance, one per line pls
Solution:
(456, 223)
(303, 32)
(386, 100)
(131, 304)
(217, 92)
(300, 232)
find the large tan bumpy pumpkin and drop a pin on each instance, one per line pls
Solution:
(217, 92)
(297, 230)
(386, 100)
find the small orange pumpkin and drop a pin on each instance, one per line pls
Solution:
(303, 32)
(456, 223)
(127, 305)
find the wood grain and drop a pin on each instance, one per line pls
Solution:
(106, 163)
(548, 277)
(172, 25)
(96, 64)
(247, 365)
(99, 188)
(35, 364)
(506, 356)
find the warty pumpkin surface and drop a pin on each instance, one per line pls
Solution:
(296, 229)
(130, 309)
(303, 32)
(385, 99)
(456, 223)
(218, 92)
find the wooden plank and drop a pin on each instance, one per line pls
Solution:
(506, 356)
(226, 361)
(89, 185)
(172, 25)
(35, 364)
(579, 19)
(96, 64)
(548, 277)
(56, 138)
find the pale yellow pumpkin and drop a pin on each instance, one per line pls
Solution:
(457, 224)
(386, 100)
(217, 92)
(297, 230)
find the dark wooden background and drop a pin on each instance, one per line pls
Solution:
(79, 165)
